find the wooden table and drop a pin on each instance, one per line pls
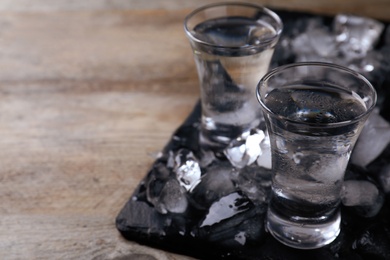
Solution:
(90, 92)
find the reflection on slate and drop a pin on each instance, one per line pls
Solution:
(197, 204)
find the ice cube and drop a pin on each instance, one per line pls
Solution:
(235, 152)
(163, 190)
(265, 157)
(363, 196)
(316, 44)
(356, 35)
(301, 42)
(225, 208)
(172, 198)
(300, 45)
(373, 139)
(359, 193)
(187, 169)
(322, 42)
(216, 182)
(245, 149)
(155, 181)
(374, 66)
(252, 143)
(255, 183)
(324, 168)
(384, 178)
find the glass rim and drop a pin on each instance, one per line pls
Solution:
(333, 66)
(265, 10)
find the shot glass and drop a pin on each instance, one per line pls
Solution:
(314, 113)
(232, 46)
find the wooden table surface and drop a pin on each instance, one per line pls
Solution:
(90, 92)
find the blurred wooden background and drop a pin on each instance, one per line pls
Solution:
(375, 8)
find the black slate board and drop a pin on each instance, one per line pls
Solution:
(360, 237)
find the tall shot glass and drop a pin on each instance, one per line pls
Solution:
(314, 113)
(232, 46)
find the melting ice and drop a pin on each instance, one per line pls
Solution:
(252, 146)
(373, 139)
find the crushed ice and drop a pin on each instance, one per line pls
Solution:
(363, 196)
(373, 139)
(350, 42)
(359, 193)
(356, 35)
(252, 146)
(165, 192)
(187, 169)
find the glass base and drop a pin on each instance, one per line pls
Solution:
(303, 236)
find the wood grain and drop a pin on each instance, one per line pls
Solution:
(90, 92)
(84, 111)
(378, 9)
